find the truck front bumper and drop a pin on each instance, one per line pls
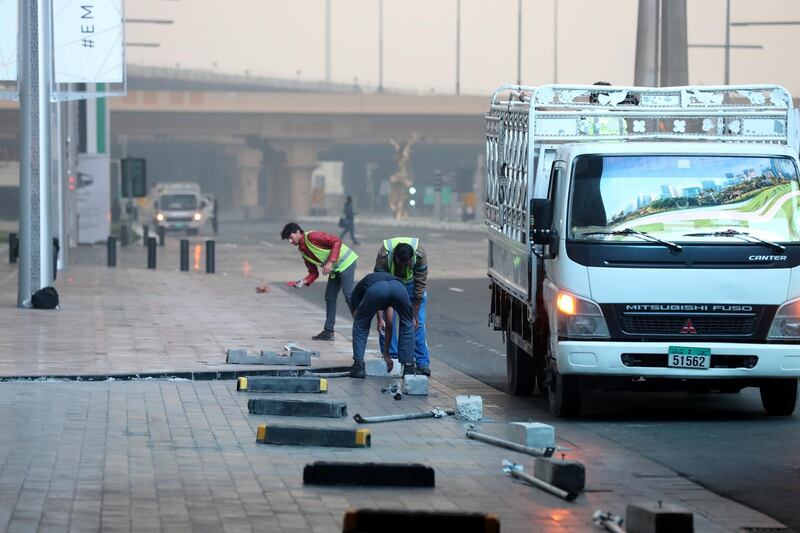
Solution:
(606, 359)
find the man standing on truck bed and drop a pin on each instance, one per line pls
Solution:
(406, 259)
(338, 262)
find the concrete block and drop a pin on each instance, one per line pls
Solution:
(297, 358)
(375, 367)
(236, 355)
(656, 517)
(415, 385)
(289, 407)
(314, 436)
(533, 434)
(369, 474)
(566, 475)
(469, 407)
(359, 520)
(282, 384)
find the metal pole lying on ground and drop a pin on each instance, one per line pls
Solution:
(552, 489)
(488, 439)
(436, 413)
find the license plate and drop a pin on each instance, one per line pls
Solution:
(688, 357)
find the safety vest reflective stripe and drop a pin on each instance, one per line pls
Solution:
(320, 255)
(389, 245)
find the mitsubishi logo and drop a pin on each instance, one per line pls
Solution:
(688, 327)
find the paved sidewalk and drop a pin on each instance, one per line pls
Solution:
(169, 455)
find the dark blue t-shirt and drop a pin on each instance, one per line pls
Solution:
(366, 282)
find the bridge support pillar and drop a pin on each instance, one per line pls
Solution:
(245, 196)
(301, 160)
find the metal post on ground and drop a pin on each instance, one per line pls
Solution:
(35, 64)
(13, 247)
(162, 233)
(184, 255)
(111, 251)
(437, 193)
(151, 252)
(145, 234)
(210, 260)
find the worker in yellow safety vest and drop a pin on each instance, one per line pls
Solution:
(406, 259)
(337, 261)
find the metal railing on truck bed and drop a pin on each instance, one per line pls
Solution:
(518, 133)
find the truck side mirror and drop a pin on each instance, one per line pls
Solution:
(542, 221)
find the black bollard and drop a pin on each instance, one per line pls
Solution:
(145, 234)
(124, 235)
(209, 257)
(151, 252)
(184, 255)
(162, 235)
(56, 250)
(111, 251)
(13, 247)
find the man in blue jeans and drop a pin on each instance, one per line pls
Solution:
(406, 259)
(375, 293)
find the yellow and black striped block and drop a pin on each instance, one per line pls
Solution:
(282, 384)
(314, 436)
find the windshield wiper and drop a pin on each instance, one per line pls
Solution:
(739, 235)
(675, 248)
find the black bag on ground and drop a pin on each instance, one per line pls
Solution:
(46, 298)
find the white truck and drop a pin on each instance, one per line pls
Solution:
(645, 238)
(181, 206)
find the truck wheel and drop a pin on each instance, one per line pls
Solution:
(563, 395)
(779, 396)
(520, 373)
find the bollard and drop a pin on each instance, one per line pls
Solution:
(56, 250)
(151, 252)
(145, 234)
(13, 247)
(210, 257)
(184, 255)
(162, 234)
(124, 235)
(111, 251)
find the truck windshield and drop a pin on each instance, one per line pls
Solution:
(178, 202)
(685, 198)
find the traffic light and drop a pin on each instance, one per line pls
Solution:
(134, 177)
(412, 201)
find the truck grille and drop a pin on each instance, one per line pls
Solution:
(179, 219)
(738, 325)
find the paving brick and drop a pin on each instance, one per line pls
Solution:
(658, 517)
(415, 385)
(533, 434)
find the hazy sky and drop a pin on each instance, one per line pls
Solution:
(596, 40)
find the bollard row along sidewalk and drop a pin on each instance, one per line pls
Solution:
(182, 452)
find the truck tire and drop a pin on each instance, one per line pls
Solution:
(520, 374)
(779, 396)
(563, 394)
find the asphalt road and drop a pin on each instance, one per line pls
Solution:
(723, 442)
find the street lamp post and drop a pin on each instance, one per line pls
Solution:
(458, 47)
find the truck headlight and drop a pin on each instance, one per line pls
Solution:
(786, 324)
(160, 217)
(197, 217)
(579, 318)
